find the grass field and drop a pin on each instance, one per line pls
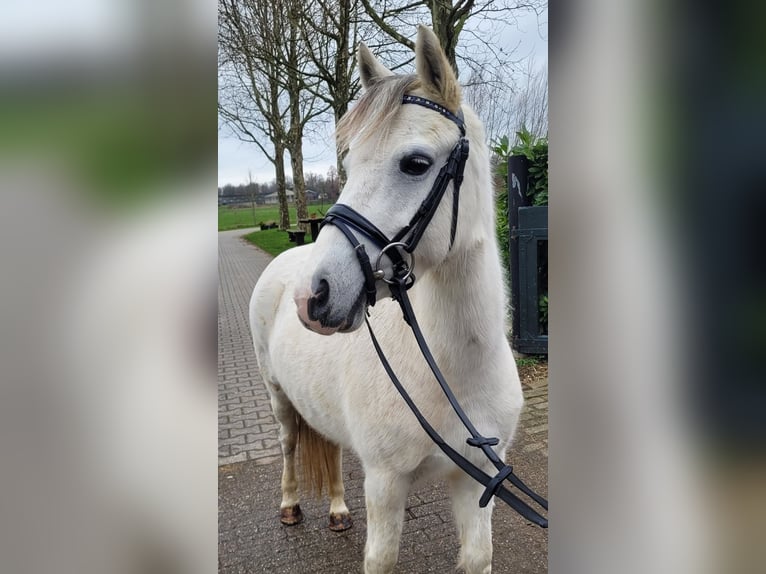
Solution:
(241, 217)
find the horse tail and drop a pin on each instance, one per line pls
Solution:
(318, 458)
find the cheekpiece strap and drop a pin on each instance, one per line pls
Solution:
(457, 119)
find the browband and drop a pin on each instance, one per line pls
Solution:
(457, 119)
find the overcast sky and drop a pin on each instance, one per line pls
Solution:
(236, 158)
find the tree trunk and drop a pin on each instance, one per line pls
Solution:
(342, 77)
(284, 213)
(340, 110)
(296, 156)
(341, 171)
(446, 28)
(299, 183)
(296, 118)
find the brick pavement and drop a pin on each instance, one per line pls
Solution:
(250, 536)
(247, 429)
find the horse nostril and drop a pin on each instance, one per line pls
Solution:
(318, 300)
(323, 293)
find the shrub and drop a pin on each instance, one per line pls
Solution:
(535, 149)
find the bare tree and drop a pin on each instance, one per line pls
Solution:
(266, 88)
(529, 106)
(398, 20)
(506, 95)
(252, 99)
(303, 95)
(251, 190)
(447, 19)
(330, 29)
(282, 63)
(505, 110)
(333, 182)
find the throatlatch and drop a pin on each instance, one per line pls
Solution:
(348, 220)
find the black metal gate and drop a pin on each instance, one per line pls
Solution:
(528, 226)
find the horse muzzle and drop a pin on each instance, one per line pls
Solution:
(312, 309)
(317, 312)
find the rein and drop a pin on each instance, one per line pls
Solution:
(348, 220)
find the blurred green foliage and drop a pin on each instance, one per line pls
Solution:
(119, 147)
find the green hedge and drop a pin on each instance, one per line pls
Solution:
(535, 149)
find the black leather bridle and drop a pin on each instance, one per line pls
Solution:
(349, 221)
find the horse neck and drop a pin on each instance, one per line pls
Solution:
(462, 303)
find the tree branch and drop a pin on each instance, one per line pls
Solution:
(385, 27)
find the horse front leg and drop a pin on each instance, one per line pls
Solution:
(386, 497)
(474, 524)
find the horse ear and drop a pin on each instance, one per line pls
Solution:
(434, 69)
(370, 69)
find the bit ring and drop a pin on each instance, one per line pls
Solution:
(380, 274)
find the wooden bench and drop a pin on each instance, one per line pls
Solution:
(269, 225)
(296, 236)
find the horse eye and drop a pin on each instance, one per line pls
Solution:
(415, 164)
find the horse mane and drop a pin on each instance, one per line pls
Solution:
(374, 110)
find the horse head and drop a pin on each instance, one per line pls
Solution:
(395, 155)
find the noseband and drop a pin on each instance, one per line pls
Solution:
(407, 238)
(348, 220)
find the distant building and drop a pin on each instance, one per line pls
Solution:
(237, 196)
(272, 198)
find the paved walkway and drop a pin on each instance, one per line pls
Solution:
(251, 538)
(247, 429)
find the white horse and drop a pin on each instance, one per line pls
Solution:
(331, 392)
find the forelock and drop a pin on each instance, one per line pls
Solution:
(373, 112)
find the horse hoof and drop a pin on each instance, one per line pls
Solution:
(340, 522)
(291, 515)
